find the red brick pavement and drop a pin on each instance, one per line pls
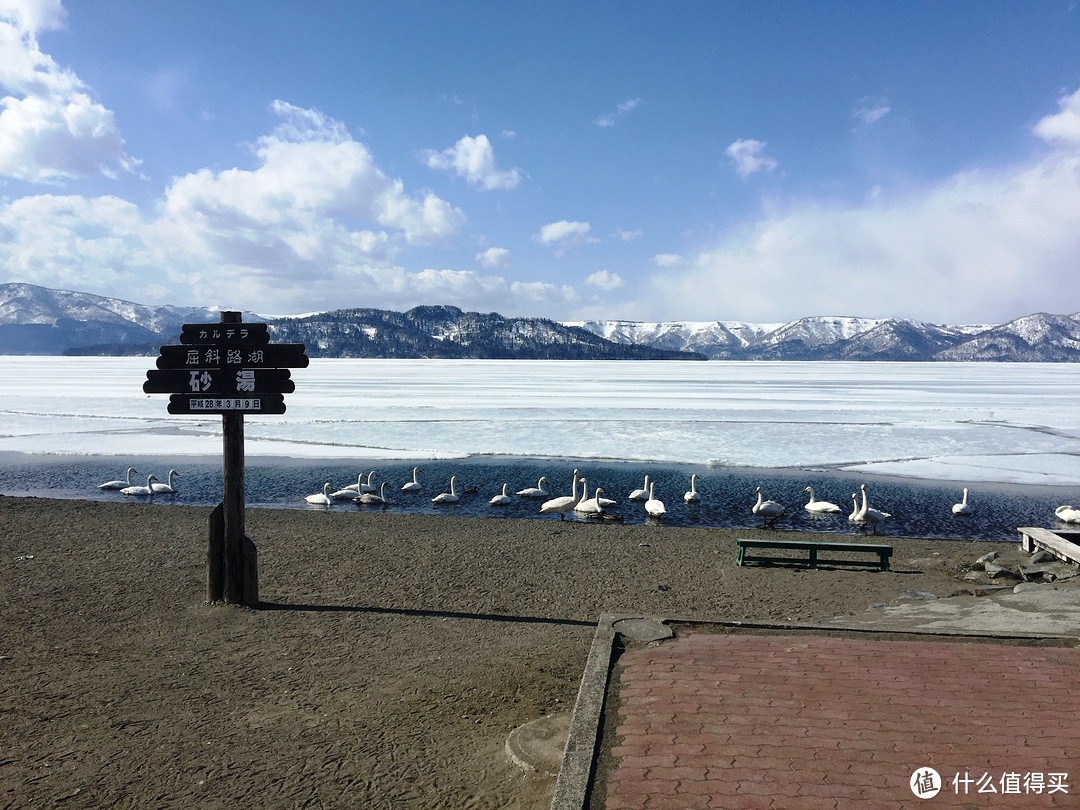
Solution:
(714, 720)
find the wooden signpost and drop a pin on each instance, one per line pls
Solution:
(230, 368)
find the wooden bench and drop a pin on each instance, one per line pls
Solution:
(882, 551)
(1062, 545)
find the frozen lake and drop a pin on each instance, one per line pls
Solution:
(940, 425)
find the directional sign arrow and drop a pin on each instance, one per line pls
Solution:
(199, 404)
(228, 382)
(225, 333)
(225, 356)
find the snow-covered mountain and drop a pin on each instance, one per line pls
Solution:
(37, 320)
(1039, 337)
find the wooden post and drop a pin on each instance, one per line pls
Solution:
(232, 428)
(250, 556)
(215, 556)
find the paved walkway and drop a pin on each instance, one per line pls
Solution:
(730, 720)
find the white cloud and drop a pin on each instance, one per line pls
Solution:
(494, 257)
(50, 128)
(94, 245)
(749, 158)
(870, 111)
(315, 226)
(629, 236)
(623, 109)
(605, 280)
(34, 15)
(668, 260)
(990, 245)
(474, 160)
(561, 236)
(1064, 127)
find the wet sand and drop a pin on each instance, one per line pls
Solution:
(388, 661)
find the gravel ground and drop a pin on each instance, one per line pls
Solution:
(388, 661)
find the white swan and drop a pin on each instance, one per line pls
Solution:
(640, 494)
(869, 516)
(147, 490)
(167, 489)
(1068, 514)
(692, 496)
(535, 492)
(963, 508)
(814, 505)
(767, 510)
(371, 499)
(414, 485)
(320, 498)
(350, 492)
(589, 506)
(855, 516)
(654, 506)
(119, 484)
(564, 504)
(501, 500)
(594, 505)
(448, 497)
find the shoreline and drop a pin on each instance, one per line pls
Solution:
(10, 457)
(918, 508)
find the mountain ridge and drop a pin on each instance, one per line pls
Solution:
(39, 320)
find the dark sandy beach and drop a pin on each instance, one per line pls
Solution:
(391, 655)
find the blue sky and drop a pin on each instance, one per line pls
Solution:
(754, 161)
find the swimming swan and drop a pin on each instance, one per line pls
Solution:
(167, 489)
(448, 497)
(590, 506)
(767, 510)
(1068, 514)
(692, 496)
(564, 504)
(414, 485)
(654, 506)
(320, 498)
(640, 494)
(501, 500)
(855, 517)
(814, 505)
(371, 499)
(350, 492)
(535, 492)
(147, 490)
(963, 508)
(119, 484)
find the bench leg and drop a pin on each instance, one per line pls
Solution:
(813, 558)
(884, 562)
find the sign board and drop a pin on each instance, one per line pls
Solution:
(231, 333)
(229, 368)
(201, 404)
(227, 356)
(235, 382)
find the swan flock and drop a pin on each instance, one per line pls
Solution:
(579, 501)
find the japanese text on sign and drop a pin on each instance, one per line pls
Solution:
(225, 404)
(211, 356)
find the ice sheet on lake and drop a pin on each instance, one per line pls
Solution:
(963, 422)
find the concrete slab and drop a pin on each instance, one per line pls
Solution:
(1046, 611)
(539, 745)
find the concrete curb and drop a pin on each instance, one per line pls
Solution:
(575, 774)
